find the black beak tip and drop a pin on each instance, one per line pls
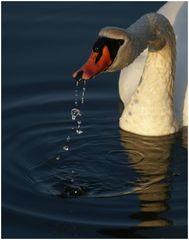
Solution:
(78, 76)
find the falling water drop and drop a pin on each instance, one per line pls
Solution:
(76, 94)
(66, 148)
(75, 112)
(79, 131)
(68, 138)
(83, 93)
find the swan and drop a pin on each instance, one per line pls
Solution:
(145, 53)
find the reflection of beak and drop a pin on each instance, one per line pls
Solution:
(93, 66)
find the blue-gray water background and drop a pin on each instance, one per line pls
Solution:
(42, 44)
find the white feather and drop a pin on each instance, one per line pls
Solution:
(176, 12)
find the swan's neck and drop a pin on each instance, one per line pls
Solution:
(141, 34)
(153, 31)
(150, 109)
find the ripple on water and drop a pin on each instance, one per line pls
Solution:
(93, 166)
(58, 160)
(83, 171)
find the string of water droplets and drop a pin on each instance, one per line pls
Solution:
(76, 115)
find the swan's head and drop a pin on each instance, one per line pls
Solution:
(112, 51)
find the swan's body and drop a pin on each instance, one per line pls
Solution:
(146, 84)
(176, 12)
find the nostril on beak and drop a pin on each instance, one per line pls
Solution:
(79, 75)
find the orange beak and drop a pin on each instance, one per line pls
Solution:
(92, 67)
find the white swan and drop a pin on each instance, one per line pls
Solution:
(130, 76)
(148, 100)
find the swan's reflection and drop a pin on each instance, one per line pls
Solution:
(150, 157)
(184, 133)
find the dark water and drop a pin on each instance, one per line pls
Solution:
(110, 184)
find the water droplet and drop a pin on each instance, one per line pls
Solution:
(83, 95)
(78, 131)
(68, 138)
(66, 148)
(72, 171)
(58, 158)
(75, 112)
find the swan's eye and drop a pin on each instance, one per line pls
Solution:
(96, 49)
(98, 56)
(99, 44)
(112, 44)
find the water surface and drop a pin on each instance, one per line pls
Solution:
(109, 184)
